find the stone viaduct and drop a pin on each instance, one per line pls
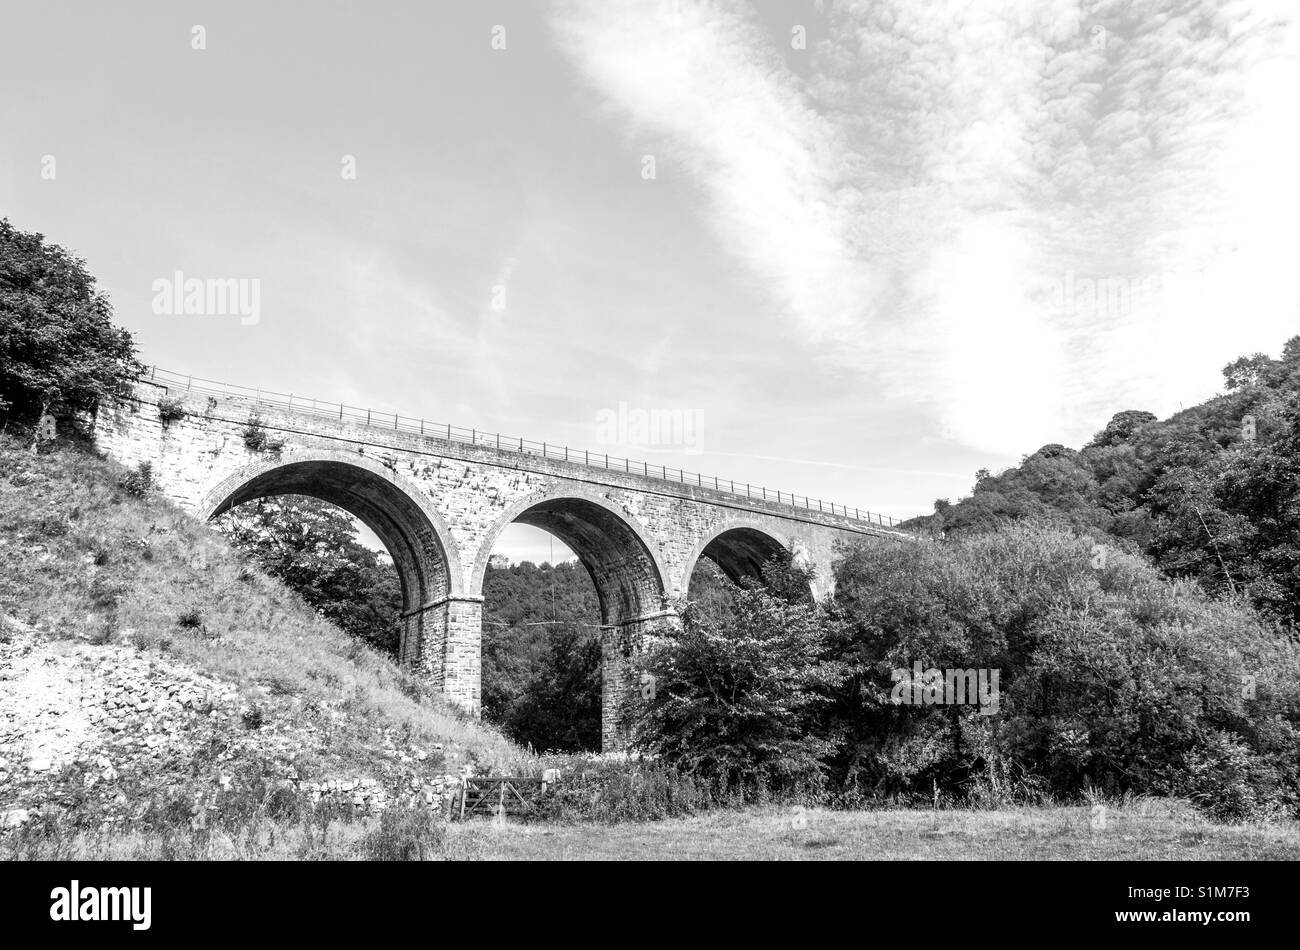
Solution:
(439, 496)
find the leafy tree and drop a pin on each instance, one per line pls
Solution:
(58, 347)
(313, 547)
(1122, 427)
(736, 700)
(1246, 371)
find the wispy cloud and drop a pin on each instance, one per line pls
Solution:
(906, 198)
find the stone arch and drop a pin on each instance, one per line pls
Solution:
(422, 547)
(740, 547)
(626, 567)
(625, 563)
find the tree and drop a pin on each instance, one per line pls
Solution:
(735, 700)
(58, 347)
(312, 546)
(1247, 371)
(1122, 427)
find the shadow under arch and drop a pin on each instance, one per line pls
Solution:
(416, 537)
(740, 548)
(624, 563)
(626, 568)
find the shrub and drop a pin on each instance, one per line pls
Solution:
(253, 718)
(1111, 677)
(257, 440)
(137, 482)
(407, 834)
(191, 619)
(613, 791)
(170, 409)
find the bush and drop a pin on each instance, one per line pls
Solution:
(612, 791)
(191, 619)
(137, 482)
(170, 409)
(1112, 678)
(257, 440)
(407, 834)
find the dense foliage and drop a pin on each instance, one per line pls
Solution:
(737, 690)
(541, 655)
(1211, 493)
(1109, 677)
(313, 547)
(59, 350)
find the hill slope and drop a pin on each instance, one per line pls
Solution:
(1212, 493)
(151, 670)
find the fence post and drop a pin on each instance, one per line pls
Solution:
(395, 420)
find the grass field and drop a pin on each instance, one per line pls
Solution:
(1144, 830)
(1151, 830)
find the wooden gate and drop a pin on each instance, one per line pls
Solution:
(491, 796)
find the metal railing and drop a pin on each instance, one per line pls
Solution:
(560, 453)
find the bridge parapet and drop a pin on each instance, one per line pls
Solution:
(298, 415)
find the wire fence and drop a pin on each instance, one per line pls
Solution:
(561, 453)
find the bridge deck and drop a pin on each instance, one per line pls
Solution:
(451, 441)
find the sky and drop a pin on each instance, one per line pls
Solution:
(853, 250)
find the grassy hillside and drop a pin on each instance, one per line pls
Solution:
(152, 673)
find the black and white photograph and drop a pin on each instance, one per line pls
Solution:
(650, 430)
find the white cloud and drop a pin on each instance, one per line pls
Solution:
(943, 160)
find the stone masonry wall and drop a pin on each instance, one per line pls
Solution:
(467, 494)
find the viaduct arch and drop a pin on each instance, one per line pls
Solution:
(439, 504)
